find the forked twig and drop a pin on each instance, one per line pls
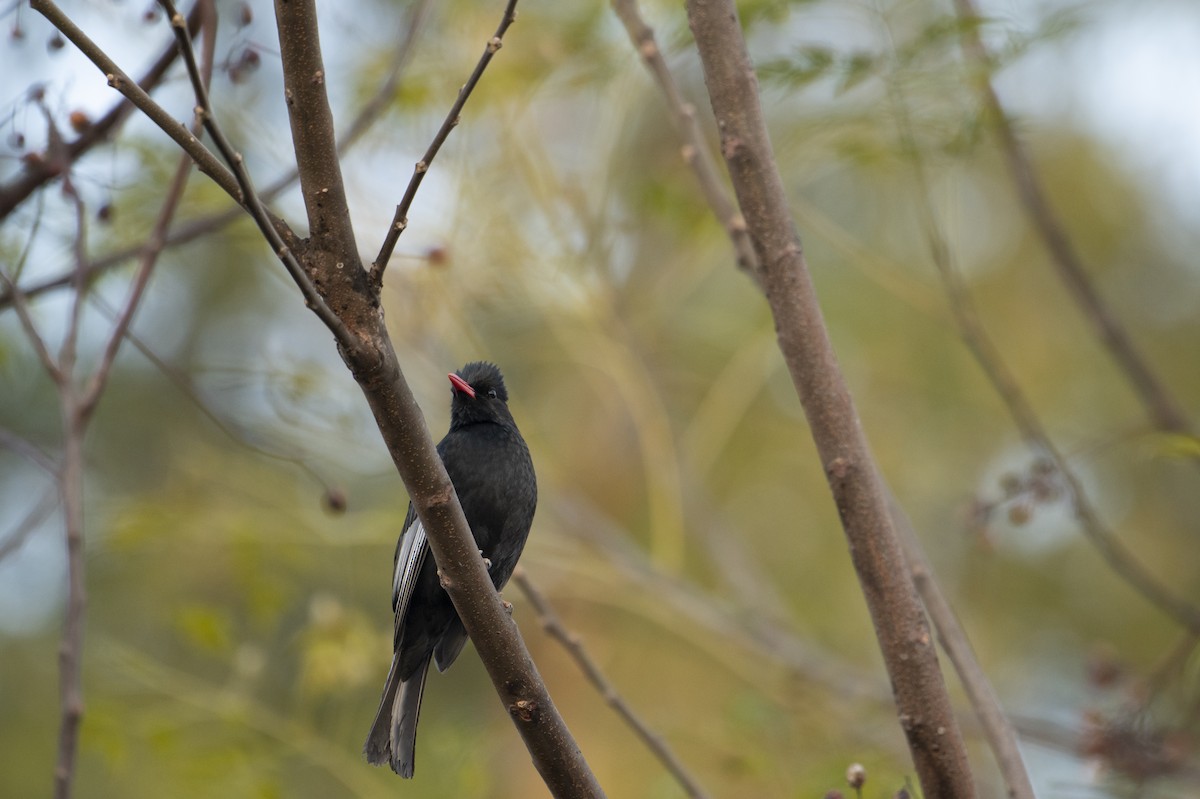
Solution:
(400, 219)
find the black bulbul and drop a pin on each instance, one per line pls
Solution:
(489, 465)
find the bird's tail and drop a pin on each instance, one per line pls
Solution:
(393, 738)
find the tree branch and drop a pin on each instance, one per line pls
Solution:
(369, 354)
(268, 226)
(70, 653)
(36, 515)
(154, 245)
(313, 137)
(400, 220)
(953, 638)
(1162, 408)
(553, 626)
(906, 644)
(695, 149)
(1119, 558)
(1001, 737)
(30, 328)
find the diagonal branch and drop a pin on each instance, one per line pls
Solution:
(153, 246)
(553, 626)
(36, 515)
(268, 226)
(1163, 409)
(951, 636)
(371, 358)
(400, 220)
(987, 355)
(1001, 737)
(30, 327)
(28, 450)
(695, 149)
(924, 708)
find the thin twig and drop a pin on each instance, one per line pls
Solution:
(997, 729)
(36, 515)
(1163, 409)
(29, 451)
(154, 245)
(30, 328)
(571, 642)
(70, 653)
(695, 148)
(74, 425)
(385, 95)
(188, 388)
(67, 352)
(1120, 559)
(249, 198)
(76, 409)
(400, 220)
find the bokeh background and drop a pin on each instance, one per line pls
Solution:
(238, 628)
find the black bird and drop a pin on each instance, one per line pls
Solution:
(489, 464)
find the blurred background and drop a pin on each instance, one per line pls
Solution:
(238, 622)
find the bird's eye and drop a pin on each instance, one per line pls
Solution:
(491, 393)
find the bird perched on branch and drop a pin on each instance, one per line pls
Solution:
(489, 465)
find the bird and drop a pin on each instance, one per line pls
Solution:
(492, 471)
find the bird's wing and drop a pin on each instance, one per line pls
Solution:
(410, 555)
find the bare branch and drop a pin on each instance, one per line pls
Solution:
(188, 388)
(70, 653)
(30, 328)
(386, 93)
(574, 646)
(154, 245)
(953, 639)
(205, 160)
(695, 149)
(1001, 737)
(1163, 409)
(400, 220)
(29, 451)
(67, 352)
(371, 357)
(905, 642)
(36, 515)
(1120, 559)
(313, 138)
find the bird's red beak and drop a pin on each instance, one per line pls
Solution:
(461, 385)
